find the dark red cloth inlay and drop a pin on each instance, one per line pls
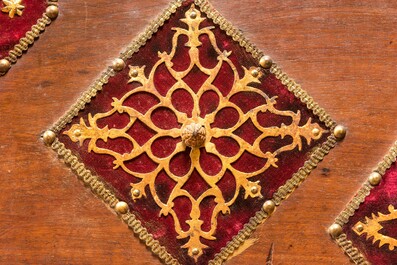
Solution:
(380, 198)
(13, 29)
(146, 209)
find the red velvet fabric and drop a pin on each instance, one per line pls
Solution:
(12, 29)
(378, 201)
(146, 209)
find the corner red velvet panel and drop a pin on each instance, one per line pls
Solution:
(194, 135)
(12, 29)
(376, 239)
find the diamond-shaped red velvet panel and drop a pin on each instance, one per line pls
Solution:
(13, 29)
(380, 200)
(203, 98)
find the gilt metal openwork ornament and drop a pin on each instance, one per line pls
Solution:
(13, 7)
(373, 225)
(196, 131)
(193, 136)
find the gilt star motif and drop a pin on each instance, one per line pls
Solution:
(13, 7)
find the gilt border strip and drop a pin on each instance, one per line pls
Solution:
(30, 36)
(282, 193)
(343, 218)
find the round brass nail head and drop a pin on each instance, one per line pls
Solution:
(77, 133)
(335, 230)
(375, 178)
(193, 15)
(316, 132)
(360, 228)
(118, 64)
(122, 207)
(49, 137)
(340, 132)
(136, 193)
(195, 251)
(134, 73)
(52, 11)
(266, 62)
(255, 73)
(5, 65)
(254, 190)
(269, 207)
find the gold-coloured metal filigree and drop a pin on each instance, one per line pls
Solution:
(13, 7)
(195, 132)
(372, 226)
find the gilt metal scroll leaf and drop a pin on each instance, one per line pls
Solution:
(372, 227)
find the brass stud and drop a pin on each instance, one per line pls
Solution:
(254, 190)
(359, 228)
(122, 207)
(316, 132)
(266, 62)
(340, 132)
(5, 65)
(195, 251)
(255, 73)
(375, 178)
(193, 15)
(52, 11)
(335, 230)
(49, 137)
(134, 73)
(77, 133)
(269, 207)
(118, 64)
(136, 193)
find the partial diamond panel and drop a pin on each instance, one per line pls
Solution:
(369, 235)
(21, 22)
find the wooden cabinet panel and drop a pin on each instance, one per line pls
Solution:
(343, 53)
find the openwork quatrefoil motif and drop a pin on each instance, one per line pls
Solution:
(198, 140)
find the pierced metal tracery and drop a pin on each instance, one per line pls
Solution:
(196, 132)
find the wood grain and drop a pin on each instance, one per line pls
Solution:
(342, 52)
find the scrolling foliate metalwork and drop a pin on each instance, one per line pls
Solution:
(195, 132)
(372, 227)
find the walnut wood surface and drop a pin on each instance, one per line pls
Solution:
(342, 52)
